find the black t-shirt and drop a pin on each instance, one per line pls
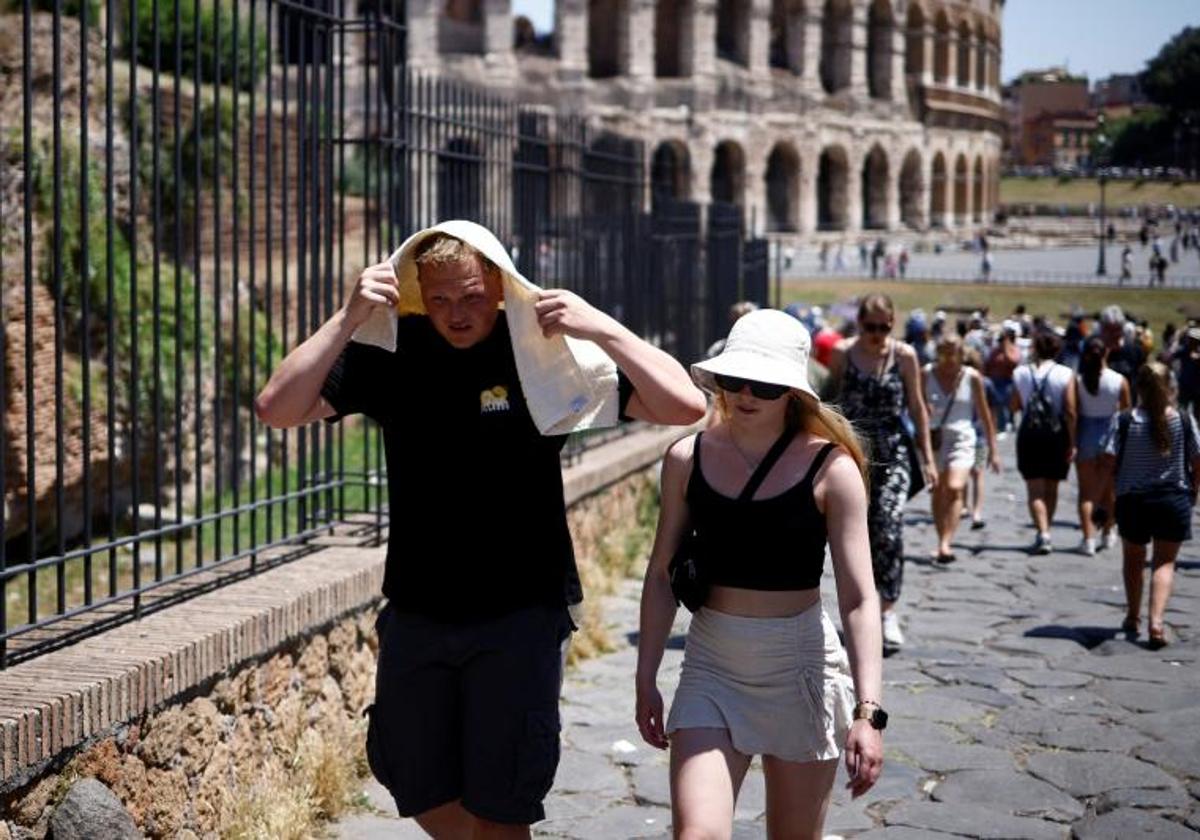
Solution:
(478, 522)
(1126, 360)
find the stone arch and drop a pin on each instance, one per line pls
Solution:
(964, 54)
(982, 54)
(833, 176)
(672, 38)
(605, 44)
(727, 178)
(880, 26)
(960, 190)
(977, 190)
(937, 191)
(837, 23)
(941, 49)
(911, 190)
(459, 180)
(783, 188)
(460, 26)
(875, 189)
(914, 41)
(671, 171)
(733, 31)
(787, 35)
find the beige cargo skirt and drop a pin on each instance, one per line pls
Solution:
(780, 686)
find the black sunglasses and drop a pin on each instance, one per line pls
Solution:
(761, 390)
(875, 327)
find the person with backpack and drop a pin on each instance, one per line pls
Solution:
(1102, 394)
(1154, 453)
(1044, 393)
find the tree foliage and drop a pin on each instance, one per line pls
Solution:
(1172, 78)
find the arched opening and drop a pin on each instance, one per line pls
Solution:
(977, 184)
(787, 35)
(670, 171)
(910, 190)
(875, 190)
(836, 45)
(981, 62)
(783, 189)
(960, 191)
(964, 55)
(459, 180)
(671, 38)
(831, 189)
(941, 49)
(937, 192)
(727, 179)
(879, 50)
(460, 27)
(733, 31)
(606, 25)
(914, 41)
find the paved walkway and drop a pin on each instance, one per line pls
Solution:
(1018, 710)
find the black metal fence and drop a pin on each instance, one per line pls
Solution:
(188, 190)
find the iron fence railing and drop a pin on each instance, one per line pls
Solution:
(188, 191)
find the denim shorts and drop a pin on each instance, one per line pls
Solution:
(469, 712)
(1155, 515)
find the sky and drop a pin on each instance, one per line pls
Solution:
(1092, 37)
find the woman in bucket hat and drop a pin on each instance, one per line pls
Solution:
(754, 500)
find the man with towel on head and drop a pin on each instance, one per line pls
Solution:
(475, 376)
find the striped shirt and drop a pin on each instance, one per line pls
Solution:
(1143, 466)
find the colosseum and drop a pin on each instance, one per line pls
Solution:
(813, 117)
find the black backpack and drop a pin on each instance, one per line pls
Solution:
(1039, 421)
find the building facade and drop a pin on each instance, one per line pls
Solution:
(810, 115)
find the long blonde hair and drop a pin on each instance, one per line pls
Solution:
(1154, 391)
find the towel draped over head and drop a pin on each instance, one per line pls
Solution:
(569, 384)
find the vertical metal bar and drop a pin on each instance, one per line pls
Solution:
(110, 338)
(285, 233)
(340, 271)
(177, 263)
(156, 134)
(218, 354)
(302, 279)
(329, 276)
(85, 350)
(60, 452)
(197, 294)
(134, 354)
(270, 245)
(253, 420)
(235, 397)
(30, 384)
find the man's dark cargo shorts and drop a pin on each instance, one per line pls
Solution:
(469, 712)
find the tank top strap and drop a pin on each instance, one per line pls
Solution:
(817, 462)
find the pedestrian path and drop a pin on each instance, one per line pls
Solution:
(1018, 709)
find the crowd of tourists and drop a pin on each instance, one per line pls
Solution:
(817, 438)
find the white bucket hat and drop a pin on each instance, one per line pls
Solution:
(764, 346)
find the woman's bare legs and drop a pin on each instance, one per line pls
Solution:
(1162, 578)
(798, 795)
(706, 775)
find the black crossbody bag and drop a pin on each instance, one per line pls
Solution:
(689, 581)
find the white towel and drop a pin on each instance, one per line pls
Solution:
(569, 384)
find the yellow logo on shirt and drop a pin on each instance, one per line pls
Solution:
(493, 400)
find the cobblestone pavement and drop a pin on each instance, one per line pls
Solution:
(1018, 708)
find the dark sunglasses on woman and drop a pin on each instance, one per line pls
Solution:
(761, 390)
(876, 328)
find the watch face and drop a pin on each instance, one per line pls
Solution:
(879, 719)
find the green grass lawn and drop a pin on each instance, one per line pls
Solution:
(1156, 306)
(1079, 191)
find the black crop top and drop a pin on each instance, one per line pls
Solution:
(771, 544)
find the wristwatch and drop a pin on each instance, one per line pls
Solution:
(871, 713)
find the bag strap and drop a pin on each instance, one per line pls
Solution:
(1038, 387)
(764, 466)
(951, 397)
(1122, 435)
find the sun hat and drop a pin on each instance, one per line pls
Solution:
(763, 346)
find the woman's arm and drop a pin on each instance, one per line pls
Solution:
(1125, 400)
(985, 414)
(837, 369)
(658, 604)
(1070, 416)
(840, 492)
(907, 360)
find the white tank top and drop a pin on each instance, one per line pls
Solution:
(961, 412)
(1106, 399)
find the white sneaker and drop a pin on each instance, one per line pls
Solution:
(1107, 541)
(892, 635)
(1087, 546)
(1041, 545)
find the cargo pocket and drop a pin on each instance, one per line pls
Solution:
(537, 756)
(376, 755)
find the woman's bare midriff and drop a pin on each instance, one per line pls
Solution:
(757, 603)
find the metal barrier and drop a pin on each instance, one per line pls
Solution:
(193, 189)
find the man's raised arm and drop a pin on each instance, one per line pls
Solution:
(292, 396)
